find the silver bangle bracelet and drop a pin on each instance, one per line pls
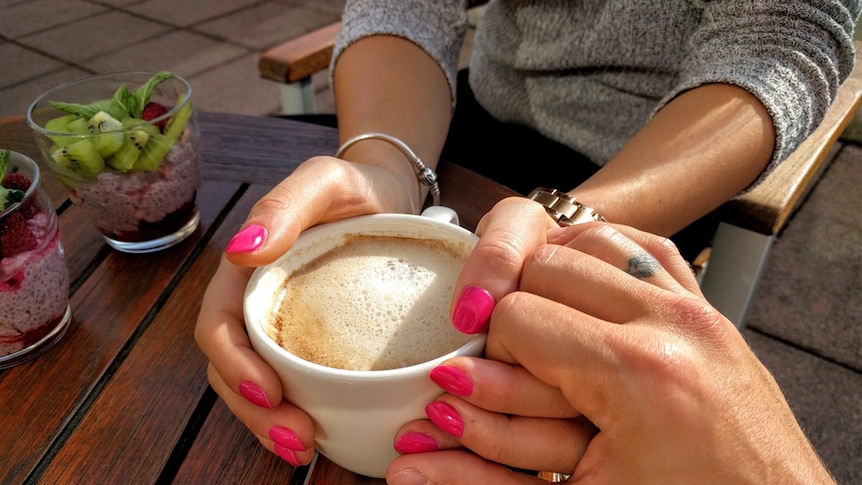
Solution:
(426, 175)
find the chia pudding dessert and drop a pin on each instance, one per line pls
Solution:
(130, 161)
(34, 279)
(145, 205)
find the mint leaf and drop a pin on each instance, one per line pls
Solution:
(124, 103)
(143, 93)
(88, 110)
(7, 196)
(85, 110)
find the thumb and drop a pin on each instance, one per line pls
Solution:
(323, 189)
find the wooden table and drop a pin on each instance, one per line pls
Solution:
(123, 397)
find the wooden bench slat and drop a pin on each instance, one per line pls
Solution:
(299, 58)
(766, 208)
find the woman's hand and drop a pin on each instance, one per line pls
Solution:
(509, 232)
(322, 189)
(610, 367)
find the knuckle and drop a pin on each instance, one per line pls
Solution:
(663, 248)
(275, 201)
(503, 251)
(675, 356)
(544, 255)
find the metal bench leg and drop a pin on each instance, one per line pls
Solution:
(733, 272)
(298, 98)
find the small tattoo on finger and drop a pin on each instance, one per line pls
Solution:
(642, 265)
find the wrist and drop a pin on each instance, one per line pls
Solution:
(391, 153)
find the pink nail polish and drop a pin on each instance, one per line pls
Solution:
(285, 438)
(415, 443)
(473, 310)
(254, 394)
(287, 455)
(445, 417)
(452, 379)
(247, 240)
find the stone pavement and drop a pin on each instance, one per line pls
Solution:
(214, 44)
(806, 322)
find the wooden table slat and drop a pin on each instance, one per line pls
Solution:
(107, 310)
(165, 369)
(123, 397)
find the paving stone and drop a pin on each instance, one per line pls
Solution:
(94, 36)
(33, 16)
(119, 3)
(180, 52)
(824, 397)
(15, 100)
(236, 88)
(334, 7)
(187, 12)
(11, 3)
(266, 25)
(811, 289)
(28, 64)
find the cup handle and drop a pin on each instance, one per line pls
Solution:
(443, 214)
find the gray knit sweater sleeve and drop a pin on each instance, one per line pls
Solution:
(791, 54)
(437, 26)
(591, 73)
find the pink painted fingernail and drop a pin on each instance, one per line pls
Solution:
(415, 443)
(287, 455)
(452, 379)
(445, 417)
(247, 240)
(473, 310)
(285, 438)
(254, 394)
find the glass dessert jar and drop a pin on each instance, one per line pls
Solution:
(127, 147)
(34, 279)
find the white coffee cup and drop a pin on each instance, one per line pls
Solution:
(356, 412)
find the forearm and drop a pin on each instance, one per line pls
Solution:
(700, 150)
(388, 84)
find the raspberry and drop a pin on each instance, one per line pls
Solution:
(22, 183)
(152, 111)
(15, 236)
(16, 181)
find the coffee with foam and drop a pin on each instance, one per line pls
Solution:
(372, 303)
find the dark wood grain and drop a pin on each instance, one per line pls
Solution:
(226, 452)
(260, 150)
(123, 397)
(108, 308)
(164, 370)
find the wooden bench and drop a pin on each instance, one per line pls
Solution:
(749, 223)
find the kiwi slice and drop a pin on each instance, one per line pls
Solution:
(178, 121)
(71, 124)
(153, 153)
(59, 124)
(125, 157)
(108, 139)
(80, 158)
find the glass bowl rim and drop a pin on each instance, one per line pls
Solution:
(34, 183)
(41, 129)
